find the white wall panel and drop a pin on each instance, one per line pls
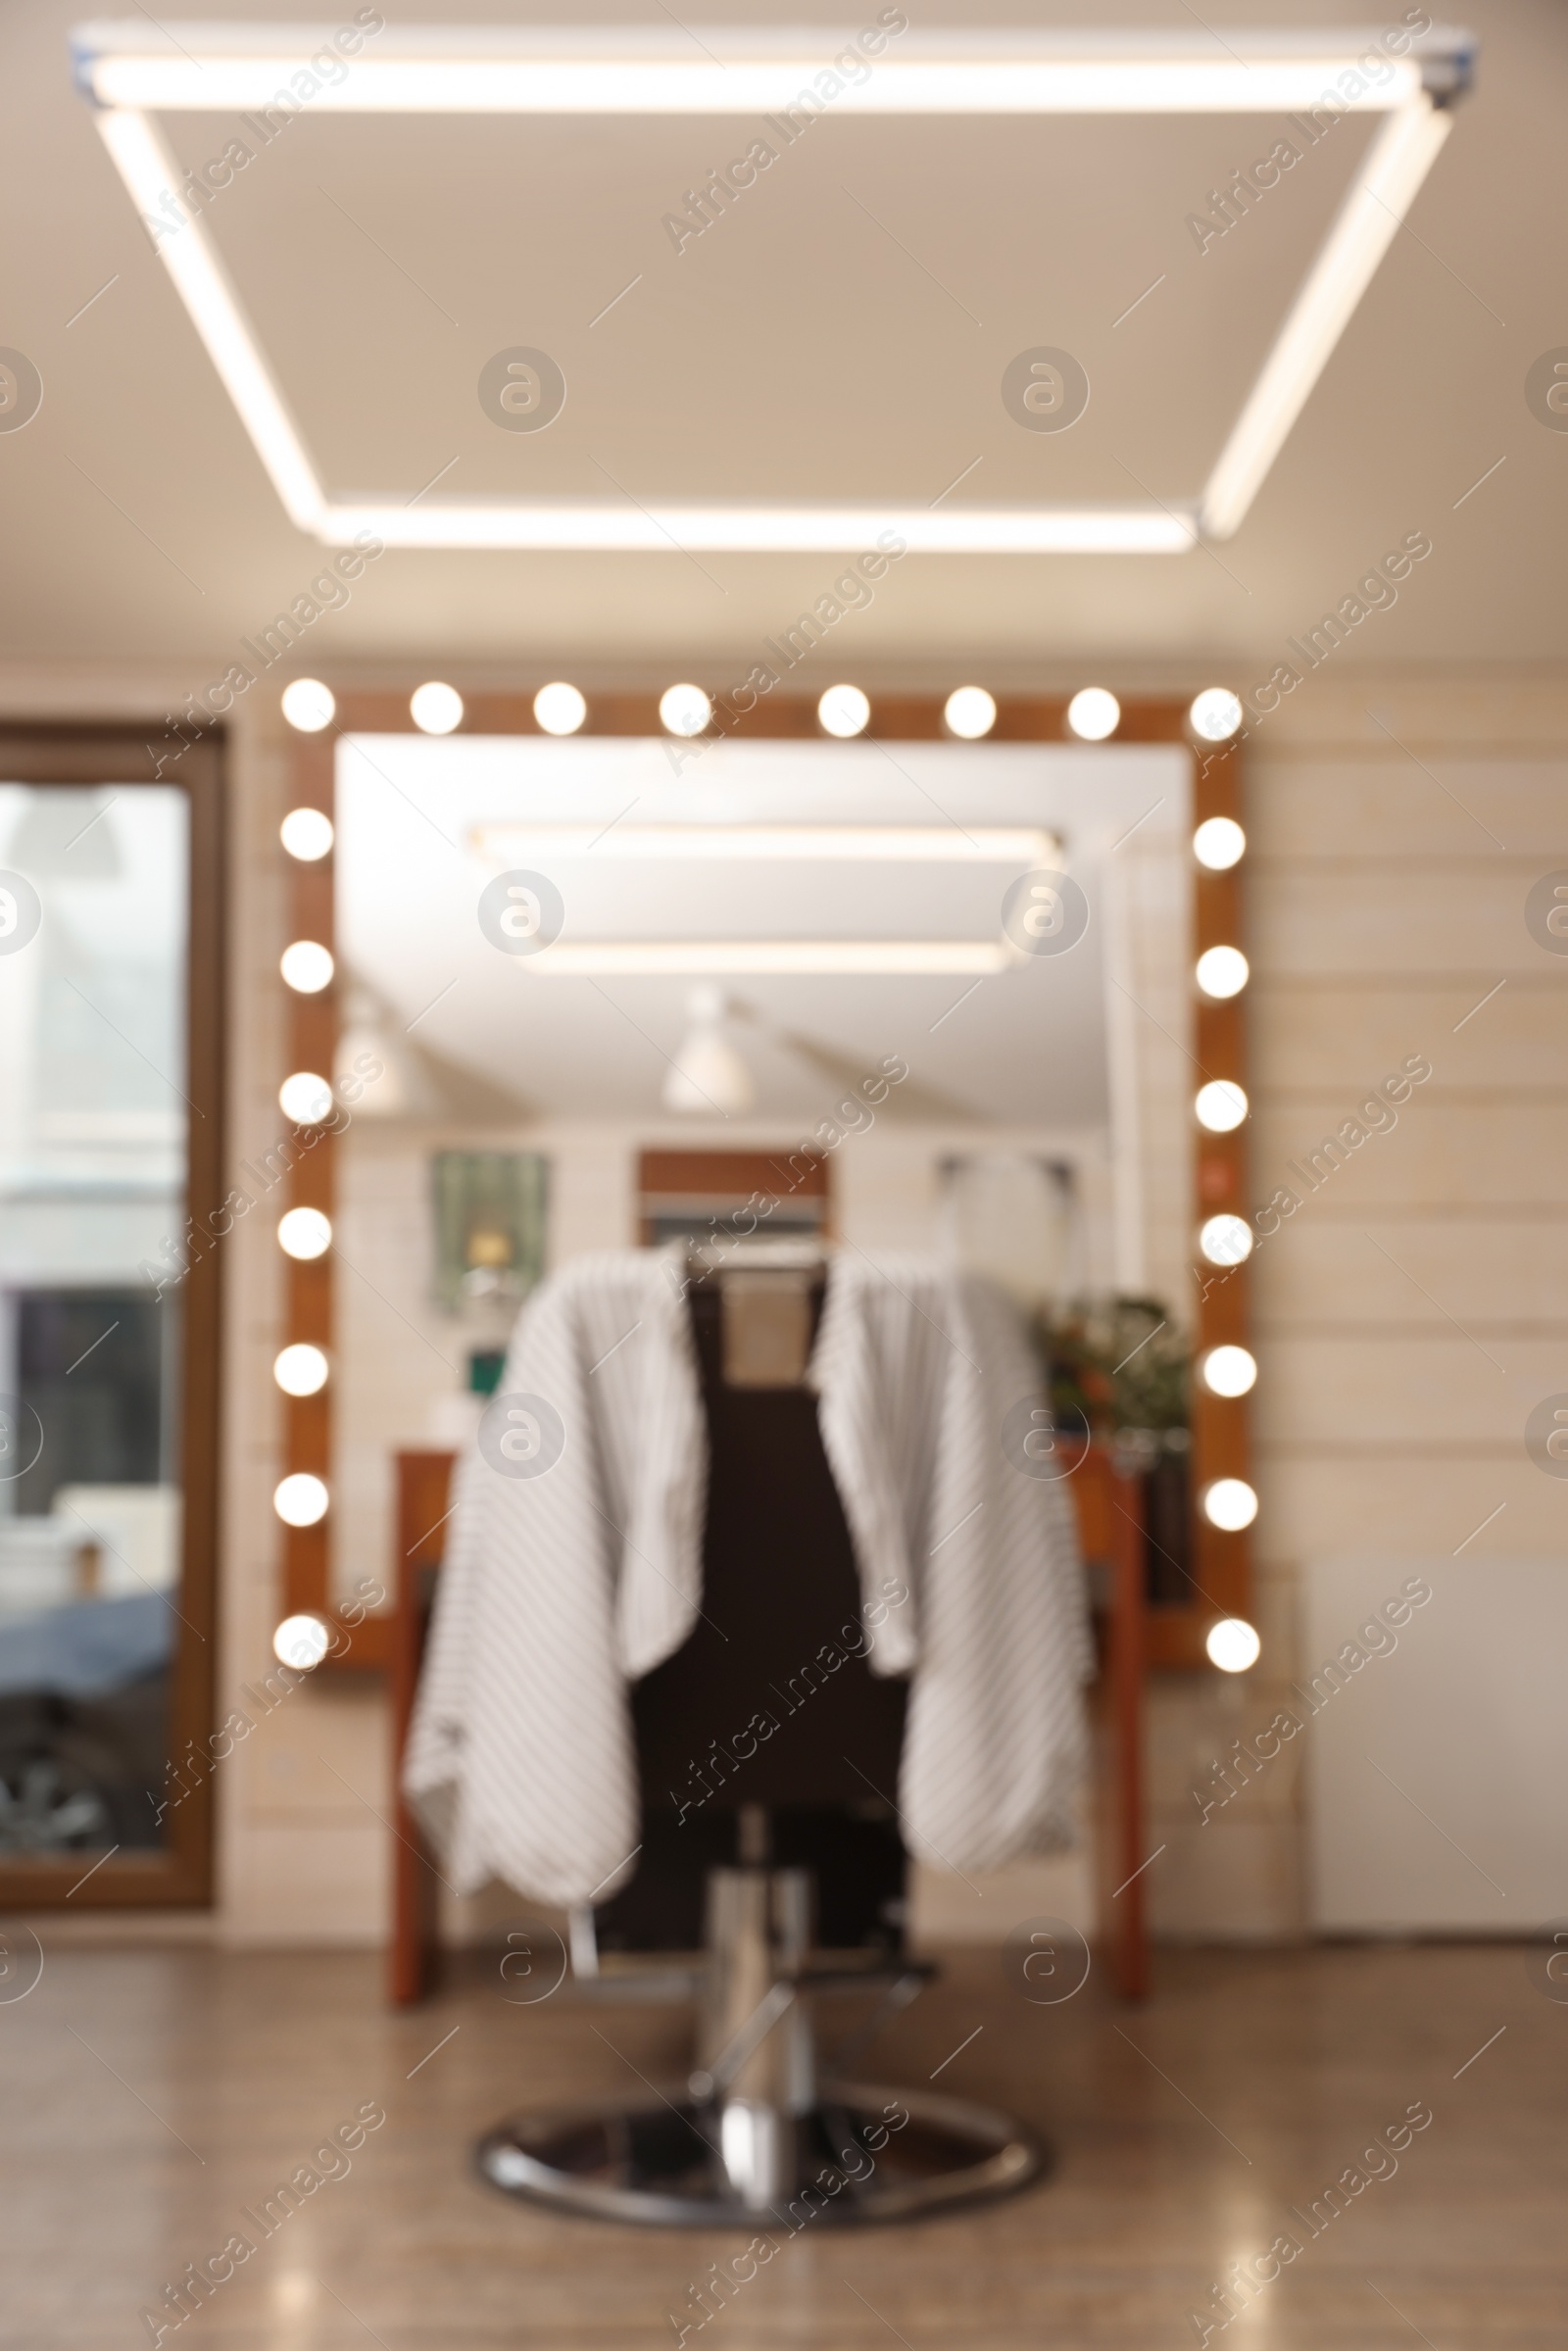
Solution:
(1437, 1779)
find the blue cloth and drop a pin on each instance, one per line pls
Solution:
(86, 1648)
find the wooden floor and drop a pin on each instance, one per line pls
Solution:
(150, 2096)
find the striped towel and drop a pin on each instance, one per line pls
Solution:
(563, 1589)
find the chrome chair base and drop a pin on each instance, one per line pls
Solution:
(856, 2160)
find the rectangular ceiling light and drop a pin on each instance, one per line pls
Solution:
(502, 845)
(129, 75)
(768, 959)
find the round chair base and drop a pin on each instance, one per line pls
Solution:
(660, 2164)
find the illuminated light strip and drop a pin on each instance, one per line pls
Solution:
(1401, 155)
(759, 958)
(562, 69)
(201, 281)
(899, 83)
(543, 71)
(607, 525)
(502, 845)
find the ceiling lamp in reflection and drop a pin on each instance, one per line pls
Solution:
(1216, 715)
(307, 966)
(1218, 842)
(301, 1370)
(301, 1642)
(305, 1098)
(969, 712)
(301, 1500)
(1220, 1106)
(1233, 1645)
(1229, 1370)
(306, 834)
(309, 705)
(559, 708)
(1222, 971)
(844, 711)
(684, 709)
(303, 1233)
(1229, 1504)
(435, 708)
(708, 1076)
(1094, 714)
(1225, 1240)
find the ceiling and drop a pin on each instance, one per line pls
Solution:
(841, 335)
(1025, 1047)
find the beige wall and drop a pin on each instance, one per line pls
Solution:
(1416, 1306)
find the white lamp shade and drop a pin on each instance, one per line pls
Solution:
(707, 1075)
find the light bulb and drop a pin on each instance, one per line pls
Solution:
(301, 1642)
(307, 966)
(559, 708)
(309, 705)
(1222, 971)
(303, 1233)
(1233, 1645)
(306, 834)
(844, 710)
(435, 708)
(1216, 715)
(301, 1500)
(1093, 713)
(1229, 1370)
(1225, 1240)
(684, 709)
(1218, 842)
(304, 1097)
(1220, 1106)
(301, 1370)
(1229, 1504)
(969, 712)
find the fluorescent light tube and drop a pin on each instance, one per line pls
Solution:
(503, 845)
(761, 959)
(616, 526)
(1401, 155)
(150, 172)
(652, 71)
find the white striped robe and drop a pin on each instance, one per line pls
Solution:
(560, 1590)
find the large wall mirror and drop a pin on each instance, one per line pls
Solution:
(948, 993)
(109, 1165)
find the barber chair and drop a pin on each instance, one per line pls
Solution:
(772, 1859)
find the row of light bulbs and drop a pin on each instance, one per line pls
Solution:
(970, 712)
(1221, 1105)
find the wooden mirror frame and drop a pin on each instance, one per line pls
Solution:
(1221, 1569)
(179, 1873)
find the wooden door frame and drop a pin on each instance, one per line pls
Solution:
(180, 1872)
